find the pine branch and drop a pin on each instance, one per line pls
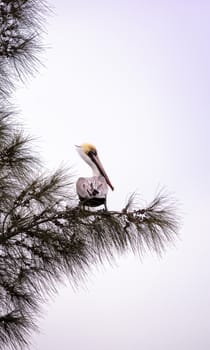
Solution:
(21, 25)
(15, 328)
(153, 227)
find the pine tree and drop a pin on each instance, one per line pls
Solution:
(44, 236)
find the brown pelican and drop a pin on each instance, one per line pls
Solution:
(92, 191)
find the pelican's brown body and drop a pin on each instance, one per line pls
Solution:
(92, 191)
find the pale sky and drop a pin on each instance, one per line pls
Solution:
(133, 78)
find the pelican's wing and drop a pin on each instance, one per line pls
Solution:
(92, 187)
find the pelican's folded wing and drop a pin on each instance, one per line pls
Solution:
(92, 187)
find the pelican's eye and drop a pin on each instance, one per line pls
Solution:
(92, 152)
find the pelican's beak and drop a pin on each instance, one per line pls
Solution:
(100, 167)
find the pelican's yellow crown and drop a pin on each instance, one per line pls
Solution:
(87, 147)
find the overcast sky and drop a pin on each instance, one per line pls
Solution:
(133, 78)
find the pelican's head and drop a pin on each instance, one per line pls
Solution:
(89, 154)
